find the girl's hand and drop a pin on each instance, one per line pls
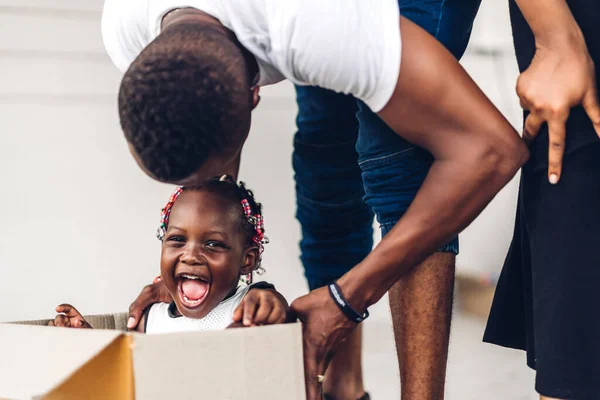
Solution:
(561, 76)
(69, 317)
(261, 307)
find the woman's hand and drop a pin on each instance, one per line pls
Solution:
(69, 317)
(560, 77)
(150, 294)
(261, 307)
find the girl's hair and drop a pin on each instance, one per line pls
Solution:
(251, 218)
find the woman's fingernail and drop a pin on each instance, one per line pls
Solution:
(246, 322)
(130, 323)
(554, 179)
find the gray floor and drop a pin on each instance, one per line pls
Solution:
(475, 370)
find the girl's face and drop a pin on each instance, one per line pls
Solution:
(204, 252)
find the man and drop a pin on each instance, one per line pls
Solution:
(190, 85)
(329, 189)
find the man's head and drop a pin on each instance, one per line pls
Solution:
(185, 102)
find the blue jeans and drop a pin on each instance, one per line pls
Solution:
(350, 165)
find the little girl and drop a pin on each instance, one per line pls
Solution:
(212, 239)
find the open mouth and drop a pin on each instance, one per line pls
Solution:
(192, 290)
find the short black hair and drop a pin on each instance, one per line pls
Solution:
(185, 98)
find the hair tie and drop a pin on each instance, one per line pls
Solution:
(166, 213)
(258, 222)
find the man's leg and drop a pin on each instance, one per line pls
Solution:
(336, 223)
(393, 171)
(421, 302)
(421, 305)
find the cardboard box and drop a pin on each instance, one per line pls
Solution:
(38, 362)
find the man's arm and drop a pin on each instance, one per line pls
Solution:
(436, 106)
(560, 76)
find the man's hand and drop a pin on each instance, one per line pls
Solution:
(261, 307)
(325, 327)
(69, 317)
(154, 293)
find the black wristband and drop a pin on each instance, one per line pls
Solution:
(338, 298)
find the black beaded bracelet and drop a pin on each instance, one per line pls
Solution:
(351, 313)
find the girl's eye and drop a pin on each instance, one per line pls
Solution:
(177, 239)
(214, 244)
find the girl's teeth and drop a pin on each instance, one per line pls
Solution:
(190, 301)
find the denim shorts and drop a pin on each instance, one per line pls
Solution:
(349, 165)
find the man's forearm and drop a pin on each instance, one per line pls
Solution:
(454, 193)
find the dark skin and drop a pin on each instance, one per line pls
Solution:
(437, 106)
(204, 239)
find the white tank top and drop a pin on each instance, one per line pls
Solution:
(160, 320)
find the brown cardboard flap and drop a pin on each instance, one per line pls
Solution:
(240, 364)
(35, 359)
(109, 375)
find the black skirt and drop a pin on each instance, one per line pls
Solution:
(547, 301)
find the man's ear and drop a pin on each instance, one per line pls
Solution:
(250, 261)
(255, 96)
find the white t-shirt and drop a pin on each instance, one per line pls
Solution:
(349, 46)
(160, 320)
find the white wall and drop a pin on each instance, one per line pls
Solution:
(490, 60)
(79, 216)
